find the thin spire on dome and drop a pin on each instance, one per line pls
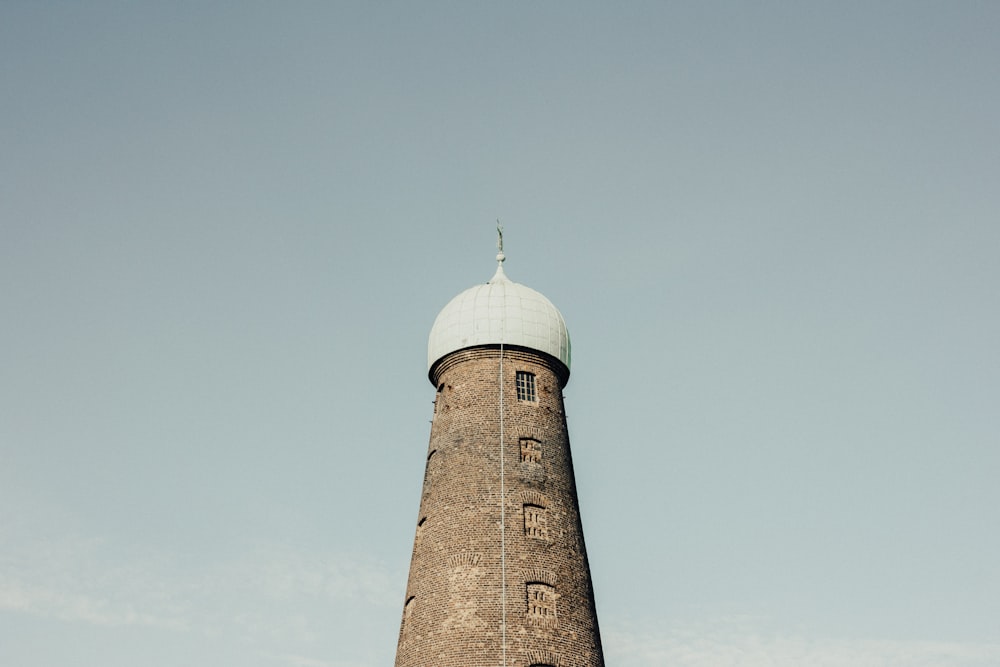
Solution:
(500, 256)
(499, 276)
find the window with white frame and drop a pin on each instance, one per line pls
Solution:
(525, 382)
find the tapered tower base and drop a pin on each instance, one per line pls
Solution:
(499, 573)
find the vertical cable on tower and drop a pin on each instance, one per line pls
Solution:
(503, 490)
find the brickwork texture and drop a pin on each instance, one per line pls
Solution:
(457, 589)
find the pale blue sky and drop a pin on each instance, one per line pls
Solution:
(772, 228)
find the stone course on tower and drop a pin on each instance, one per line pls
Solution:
(499, 573)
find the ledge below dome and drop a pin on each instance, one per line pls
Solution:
(510, 352)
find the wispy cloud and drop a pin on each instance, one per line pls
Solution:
(282, 572)
(64, 578)
(745, 643)
(270, 592)
(40, 600)
(304, 661)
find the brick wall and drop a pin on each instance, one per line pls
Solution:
(452, 613)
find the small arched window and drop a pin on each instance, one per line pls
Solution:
(541, 601)
(536, 522)
(531, 450)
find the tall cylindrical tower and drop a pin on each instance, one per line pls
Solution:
(499, 573)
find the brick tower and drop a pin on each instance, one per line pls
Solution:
(499, 574)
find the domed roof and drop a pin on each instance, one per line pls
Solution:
(501, 311)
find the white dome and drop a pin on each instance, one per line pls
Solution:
(500, 311)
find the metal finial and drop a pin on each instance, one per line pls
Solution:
(500, 256)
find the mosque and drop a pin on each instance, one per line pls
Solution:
(499, 574)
